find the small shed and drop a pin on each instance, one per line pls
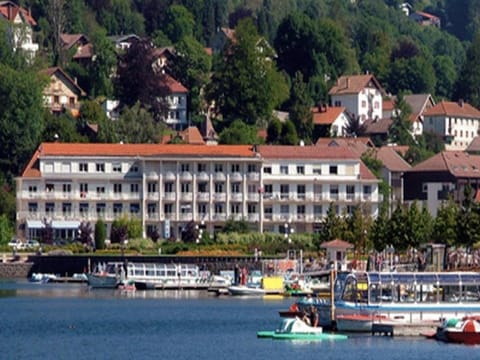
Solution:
(337, 252)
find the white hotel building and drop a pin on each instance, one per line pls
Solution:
(167, 186)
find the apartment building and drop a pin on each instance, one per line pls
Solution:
(167, 186)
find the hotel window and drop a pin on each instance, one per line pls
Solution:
(65, 167)
(333, 169)
(32, 208)
(219, 187)
(235, 168)
(152, 187)
(32, 189)
(67, 188)
(117, 188)
(168, 208)
(317, 170)
(267, 170)
(252, 208)
(301, 170)
(350, 192)
(333, 191)
(284, 210)
(134, 168)
(134, 208)
(49, 188)
(268, 210)
(185, 187)
(101, 209)
(151, 209)
(317, 211)
(252, 188)
(218, 168)
(83, 167)
(168, 187)
(117, 168)
(83, 190)
(252, 168)
(117, 209)
(100, 189)
(301, 191)
(67, 209)
(284, 169)
(268, 190)
(48, 168)
(300, 209)
(83, 208)
(202, 209)
(201, 167)
(184, 167)
(202, 187)
(219, 208)
(235, 188)
(235, 208)
(284, 190)
(350, 209)
(49, 208)
(100, 167)
(134, 188)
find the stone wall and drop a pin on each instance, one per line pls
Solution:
(11, 270)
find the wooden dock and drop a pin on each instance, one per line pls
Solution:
(404, 329)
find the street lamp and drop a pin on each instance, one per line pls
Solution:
(288, 230)
(199, 233)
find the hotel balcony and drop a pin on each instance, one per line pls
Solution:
(154, 216)
(219, 217)
(219, 176)
(236, 176)
(203, 196)
(253, 217)
(186, 216)
(253, 197)
(253, 176)
(186, 176)
(186, 196)
(169, 176)
(203, 176)
(219, 197)
(236, 197)
(153, 196)
(169, 196)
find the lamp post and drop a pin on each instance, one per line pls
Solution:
(199, 233)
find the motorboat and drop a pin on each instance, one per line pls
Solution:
(106, 276)
(358, 322)
(296, 329)
(245, 290)
(462, 331)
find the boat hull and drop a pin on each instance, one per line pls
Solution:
(102, 281)
(300, 336)
(246, 291)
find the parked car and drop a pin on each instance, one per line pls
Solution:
(32, 244)
(17, 244)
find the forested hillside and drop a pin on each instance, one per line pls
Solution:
(313, 42)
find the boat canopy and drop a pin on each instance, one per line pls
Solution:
(434, 278)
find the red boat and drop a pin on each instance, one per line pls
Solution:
(464, 331)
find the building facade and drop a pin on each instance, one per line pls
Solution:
(168, 186)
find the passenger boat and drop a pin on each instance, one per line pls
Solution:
(404, 297)
(164, 276)
(296, 329)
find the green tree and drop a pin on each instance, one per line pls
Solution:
(466, 87)
(289, 134)
(103, 65)
(379, 234)
(247, 86)
(300, 109)
(62, 128)
(446, 75)
(239, 133)
(92, 113)
(119, 231)
(100, 234)
(400, 131)
(397, 228)
(331, 227)
(468, 220)
(236, 226)
(274, 131)
(85, 232)
(179, 22)
(445, 224)
(6, 229)
(21, 118)
(192, 67)
(134, 228)
(136, 126)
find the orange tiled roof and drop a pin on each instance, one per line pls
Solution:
(327, 115)
(192, 136)
(458, 163)
(450, 108)
(9, 10)
(337, 244)
(354, 84)
(391, 159)
(173, 85)
(358, 145)
(71, 39)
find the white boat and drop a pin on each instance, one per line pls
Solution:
(165, 276)
(106, 276)
(403, 297)
(244, 290)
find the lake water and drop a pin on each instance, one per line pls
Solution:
(58, 321)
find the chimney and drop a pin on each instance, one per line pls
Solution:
(460, 103)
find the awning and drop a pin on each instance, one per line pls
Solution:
(35, 224)
(65, 224)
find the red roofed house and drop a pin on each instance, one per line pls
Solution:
(80, 46)
(21, 23)
(457, 122)
(445, 174)
(167, 186)
(361, 95)
(177, 102)
(62, 93)
(334, 118)
(425, 19)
